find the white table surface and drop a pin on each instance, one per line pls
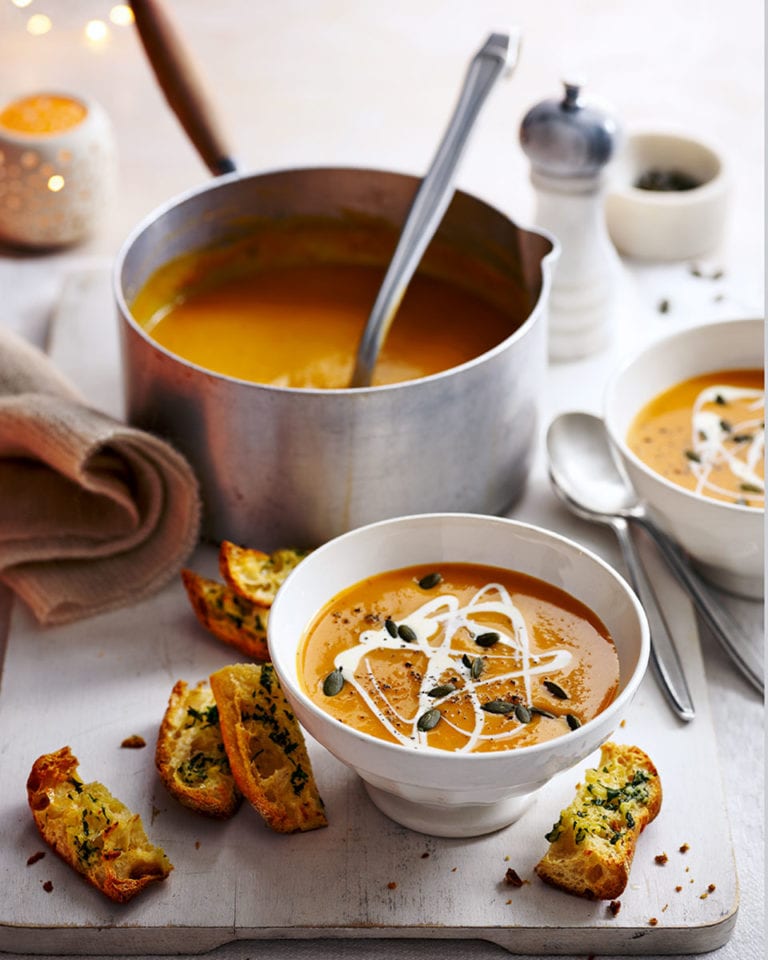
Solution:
(357, 82)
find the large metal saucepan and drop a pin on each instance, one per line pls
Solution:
(281, 466)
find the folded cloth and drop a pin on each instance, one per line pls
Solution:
(94, 514)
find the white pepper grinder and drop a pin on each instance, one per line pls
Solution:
(569, 143)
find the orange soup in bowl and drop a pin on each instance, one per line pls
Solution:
(460, 657)
(707, 434)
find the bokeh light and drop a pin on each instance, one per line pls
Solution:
(38, 24)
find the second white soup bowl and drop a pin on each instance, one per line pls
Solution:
(430, 790)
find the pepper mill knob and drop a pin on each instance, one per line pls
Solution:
(569, 143)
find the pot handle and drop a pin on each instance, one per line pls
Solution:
(181, 84)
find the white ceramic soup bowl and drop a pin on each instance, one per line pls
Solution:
(725, 540)
(430, 790)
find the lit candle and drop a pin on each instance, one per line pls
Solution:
(57, 166)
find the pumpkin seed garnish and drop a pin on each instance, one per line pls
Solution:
(556, 690)
(478, 665)
(692, 455)
(501, 707)
(406, 633)
(522, 713)
(333, 683)
(750, 488)
(487, 639)
(741, 437)
(391, 627)
(442, 690)
(428, 720)
(430, 580)
(720, 400)
(543, 713)
(725, 426)
(573, 722)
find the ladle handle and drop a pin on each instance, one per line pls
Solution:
(181, 84)
(432, 199)
(664, 656)
(724, 628)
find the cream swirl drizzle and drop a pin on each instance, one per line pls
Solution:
(710, 431)
(444, 611)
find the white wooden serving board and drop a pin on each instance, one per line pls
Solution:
(92, 684)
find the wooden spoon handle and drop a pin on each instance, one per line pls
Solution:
(181, 84)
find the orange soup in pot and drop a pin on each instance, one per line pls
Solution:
(460, 657)
(707, 434)
(265, 312)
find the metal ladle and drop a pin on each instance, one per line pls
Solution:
(497, 55)
(585, 474)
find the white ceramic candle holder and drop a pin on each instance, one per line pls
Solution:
(56, 184)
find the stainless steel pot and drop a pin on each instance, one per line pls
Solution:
(280, 466)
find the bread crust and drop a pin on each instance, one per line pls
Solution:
(91, 830)
(233, 619)
(593, 843)
(255, 575)
(190, 756)
(266, 747)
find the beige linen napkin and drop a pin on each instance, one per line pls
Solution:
(94, 514)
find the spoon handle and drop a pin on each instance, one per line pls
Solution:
(664, 656)
(432, 199)
(724, 628)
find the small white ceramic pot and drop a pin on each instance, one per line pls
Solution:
(430, 790)
(669, 224)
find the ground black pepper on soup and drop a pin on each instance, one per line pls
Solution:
(458, 656)
(707, 434)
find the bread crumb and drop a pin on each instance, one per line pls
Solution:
(664, 908)
(134, 742)
(425, 855)
(614, 906)
(197, 844)
(711, 888)
(35, 857)
(623, 724)
(512, 878)
(454, 869)
(661, 858)
(703, 896)
(684, 848)
(48, 886)
(509, 901)
(506, 859)
(653, 921)
(678, 888)
(392, 885)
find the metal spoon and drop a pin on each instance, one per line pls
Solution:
(496, 56)
(584, 483)
(585, 472)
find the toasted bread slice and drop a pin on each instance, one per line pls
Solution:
(593, 842)
(190, 755)
(228, 616)
(91, 830)
(255, 575)
(266, 747)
